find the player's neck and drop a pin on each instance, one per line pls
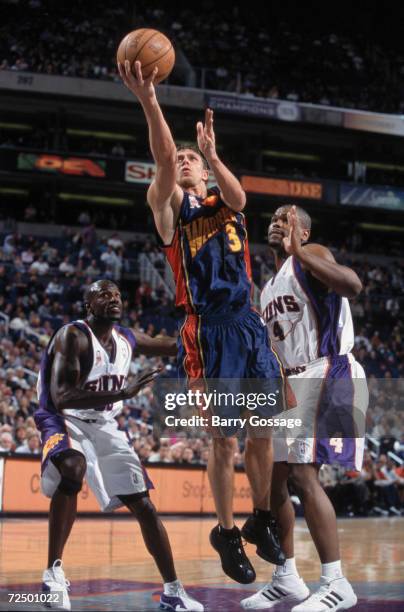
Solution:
(280, 258)
(102, 328)
(199, 190)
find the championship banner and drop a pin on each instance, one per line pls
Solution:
(283, 187)
(256, 107)
(373, 197)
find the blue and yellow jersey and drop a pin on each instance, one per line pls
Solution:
(209, 257)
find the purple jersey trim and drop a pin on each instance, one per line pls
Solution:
(326, 309)
(335, 418)
(128, 334)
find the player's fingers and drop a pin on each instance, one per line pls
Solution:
(152, 76)
(128, 72)
(138, 71)
(199, 129)
(209, 120)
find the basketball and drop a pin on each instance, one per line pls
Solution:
(151, 48)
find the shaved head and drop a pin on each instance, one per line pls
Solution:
(95, 288)
(304, 216)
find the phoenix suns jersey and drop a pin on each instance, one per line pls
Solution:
(104, 372)
(305, 321)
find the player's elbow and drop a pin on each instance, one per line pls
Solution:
(238, 201)
(354, 287)
(62, 400)
(167, 157)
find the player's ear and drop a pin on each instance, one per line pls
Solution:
(205, 175)
(305, 235)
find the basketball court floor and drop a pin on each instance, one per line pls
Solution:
(110, 569)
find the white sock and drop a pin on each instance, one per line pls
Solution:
(289, 567)
(332, 570)
(171, 587)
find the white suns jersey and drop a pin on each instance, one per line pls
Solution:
(304, 324)
(106, 373)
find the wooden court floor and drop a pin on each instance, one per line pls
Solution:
(110, 569)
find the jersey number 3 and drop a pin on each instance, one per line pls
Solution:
(234, 241)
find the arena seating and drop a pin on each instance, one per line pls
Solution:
(345, 69)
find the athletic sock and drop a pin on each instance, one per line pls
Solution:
(170, 588)
(289, 567)
(228, 533)
(331, 570)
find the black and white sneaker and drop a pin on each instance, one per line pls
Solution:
(289, 589)
(235, 562)
(332, 595)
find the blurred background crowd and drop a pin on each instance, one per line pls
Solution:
(349, 60)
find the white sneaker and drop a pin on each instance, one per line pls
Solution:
(55, 583)
(282, 589)
(177, 600)
(332, 595)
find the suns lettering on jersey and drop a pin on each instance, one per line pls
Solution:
(280, 305)
(200, 230)
(107, 382)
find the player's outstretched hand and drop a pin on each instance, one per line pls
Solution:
(292, 242)
(206, 135)
(141, 380)
(140, 87)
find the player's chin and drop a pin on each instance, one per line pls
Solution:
(114, 316)
(275, 242)
(186, 182)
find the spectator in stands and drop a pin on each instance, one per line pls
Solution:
(39, 266)
(32, 446)
(54, 288)
(66, 267)
(92, 269)
(6, 442)
(118, 150)
(30, 213)
(386, 482)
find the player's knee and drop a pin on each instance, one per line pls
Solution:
(258, 445)
(224, 448)
(303, 478)
(144, 510)
(72, 466)
(69, 486)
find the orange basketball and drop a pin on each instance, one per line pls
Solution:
(149, 47)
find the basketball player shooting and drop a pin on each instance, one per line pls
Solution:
(81, 387)
(309, 321)
(204, 237)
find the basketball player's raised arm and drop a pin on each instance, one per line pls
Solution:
(67, 377)
(320, 262)
(160, 346)
(164, 195)
(231, 191)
